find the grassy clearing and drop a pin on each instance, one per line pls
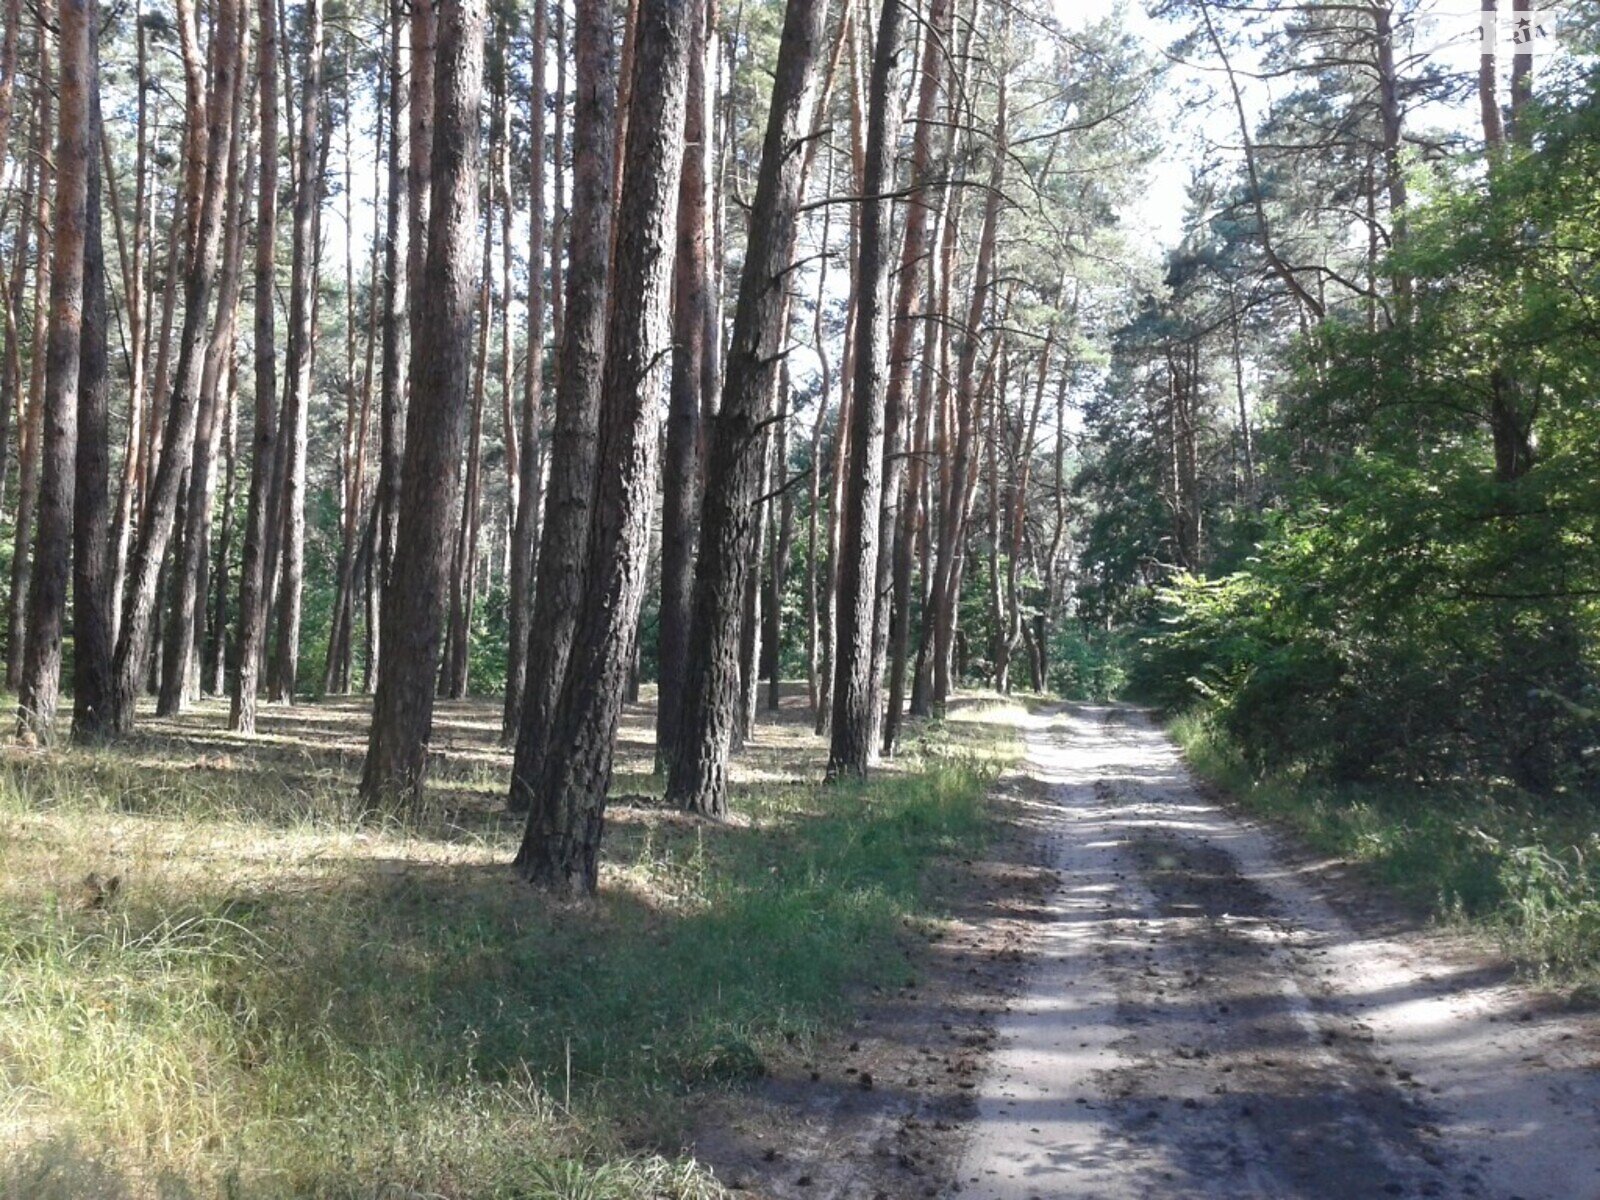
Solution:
(1525, 868)
(279, 1001)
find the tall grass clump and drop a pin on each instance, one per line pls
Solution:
(1524, 867)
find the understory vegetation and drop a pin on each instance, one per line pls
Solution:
(1397, 649)
(217, 983)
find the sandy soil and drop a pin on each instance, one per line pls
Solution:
(1144, 995)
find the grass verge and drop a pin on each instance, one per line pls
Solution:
(1522, 867)
(275, 1001)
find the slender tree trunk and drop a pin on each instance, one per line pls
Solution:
(397, 748)
(465, 561)
(11, 368)
(819, 345)
(952, 529)
(563, 546)
(561, 847)
(912, 532)
(736, 467)
(558, 214)
(32, 431)
(680, 483)
(297, 367)
(207, 179)
(1390, 119)
(750, 623)
(1488, 92)
(92, 635)
(8, 74)
(180, 649)
(253, 579)
(357, 413)
(525, 530)
(218, 644)
(52, 548)
(853, 690)
(894, 558)
(135, 292)
(778, 571)
(391, 386)
(156, 409)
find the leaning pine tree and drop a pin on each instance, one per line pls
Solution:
(853, 689)
(561, 848)
(699, 774)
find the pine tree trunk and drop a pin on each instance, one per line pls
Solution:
(737, 462)
(525, 526)
(297, 368)
(561, 847)
(819, 345)
(778, 568)
(253, 578)
(135, 291)
(894, 561)
(32, 432)
(564, 540)
(92, 636)
(11, 368)
(217, 644)
(953, 523)
(52, 547)
(412, 616)
(680, 470)
(207, 178)
(463, 576)
(180, 649)
(912, 532)
(750, 621)
(851, 745)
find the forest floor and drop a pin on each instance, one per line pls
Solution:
(218, 979)
(1084, 978)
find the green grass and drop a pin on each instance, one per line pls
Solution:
(1522, 867)
(278, 1001)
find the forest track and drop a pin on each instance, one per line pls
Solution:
(1208, 1013)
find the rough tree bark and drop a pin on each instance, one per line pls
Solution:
(850, 745)
(31, 434)
(92, 636)
(397, 747)
(736, 468)
(680, 470)
(52, 547)
(898, 527)
(953, 522)
(561, 847)
(525, 529)
(179, 674)
(260, 505)
(563, 545)
(207, 176)
(391, 380)
(297, 367)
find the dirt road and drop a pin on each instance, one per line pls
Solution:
(1210, 1016)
